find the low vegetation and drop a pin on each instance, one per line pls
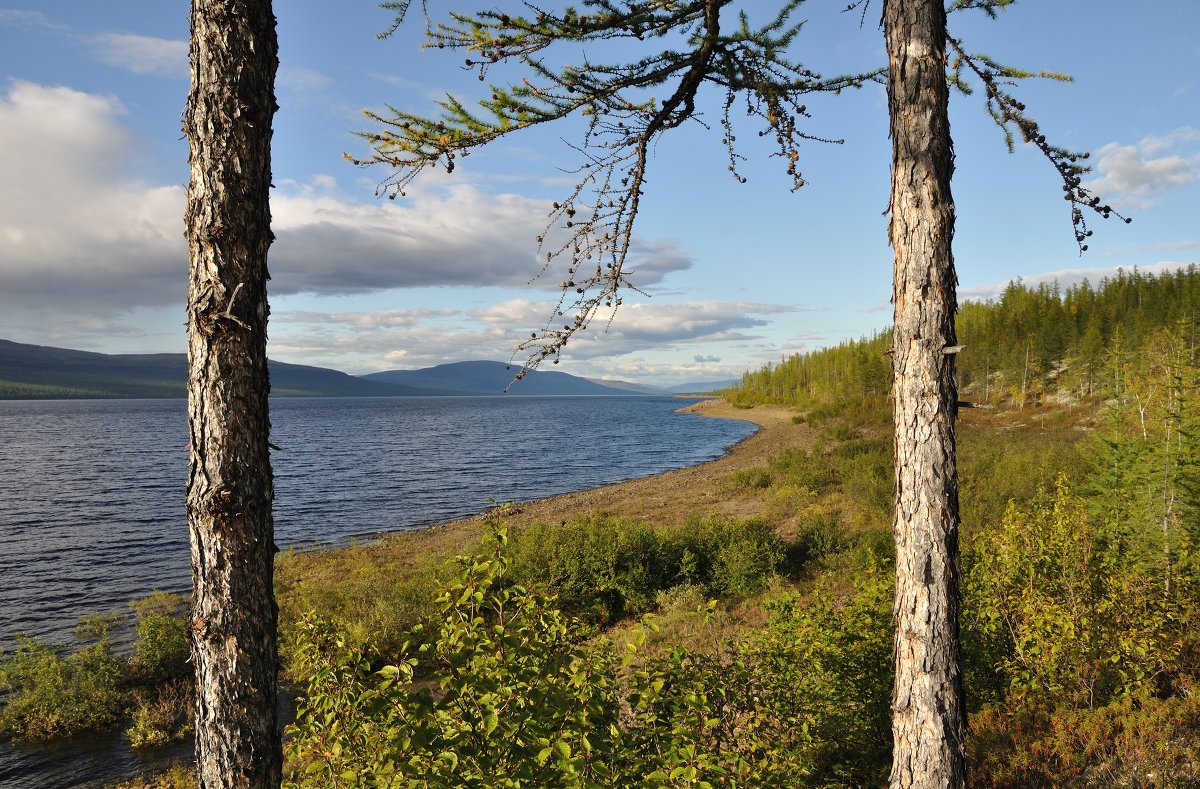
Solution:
(752, 650)
(1079, 507)
(58, 690)
(1080, 664)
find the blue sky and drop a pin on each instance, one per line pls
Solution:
(93, 172)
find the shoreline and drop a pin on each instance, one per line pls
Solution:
(659, 500)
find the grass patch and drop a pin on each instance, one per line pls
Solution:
(758, 478)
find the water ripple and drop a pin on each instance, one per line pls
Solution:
(91, 504)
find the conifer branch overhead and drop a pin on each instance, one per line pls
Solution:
(1009, 113)
(623, 118)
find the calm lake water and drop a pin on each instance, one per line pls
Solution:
(91, 498)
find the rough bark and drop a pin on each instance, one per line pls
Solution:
(229, 486)
(928, 723)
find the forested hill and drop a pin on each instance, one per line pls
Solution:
(42, 372)
(1030, 344)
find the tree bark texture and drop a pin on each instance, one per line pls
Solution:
(234, 56)
(928, 712)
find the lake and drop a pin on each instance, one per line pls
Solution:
(91, 496)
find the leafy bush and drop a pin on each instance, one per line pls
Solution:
(821, 537)
(52, 694)
(53, 691)
(161, 651)
(177, 776)
(865, 470)
(742, 555)
(606, 568)
(598, 566)
(812, 470)
(518, 698)
(751, 478)
(845, 432)
(1063, 618)
(374, 597)
(161, 715)
(825, 664)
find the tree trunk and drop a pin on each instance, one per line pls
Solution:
(928, 714)
(229, 487)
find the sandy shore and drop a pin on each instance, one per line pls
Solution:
(662, 499)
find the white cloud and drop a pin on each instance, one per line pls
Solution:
(165, 57)
(1151, 146)
(80, 232)
(1066, 278)
(28, 20)
(1133, 176)
(418, 338)
(1177, 246)
(365, 321)
(638, 326)
(76, 233)
(443, 234)
(301, 79)
(140, 54)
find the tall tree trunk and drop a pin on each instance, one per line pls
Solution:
(229, 487)
(928, 723)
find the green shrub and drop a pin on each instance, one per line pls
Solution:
(680, 600)
(845, 433)
(813, 470)
(999, 466)
(598, 566)
(605, 568)
(821, 537)
(1063, 618)
(161, 651)
(53, 694)
(825, 664)
(518, 697)
(160, 715)
(745, 555)
(177, 776)
(365, 598)
(865, 469)
(751, 479)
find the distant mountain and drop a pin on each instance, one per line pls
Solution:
(702, 387)
(298, 380)
(630, 388)
(492, 378)
(36, 372)
(41, 372)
